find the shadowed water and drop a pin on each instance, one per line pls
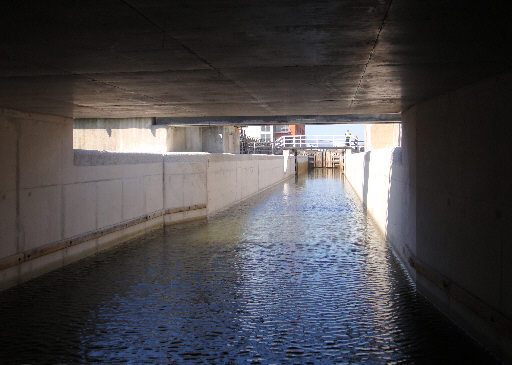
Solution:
(297, 274)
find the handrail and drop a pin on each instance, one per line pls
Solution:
(300, 142)
(316, 141)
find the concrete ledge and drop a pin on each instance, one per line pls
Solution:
(58, 255)
(237, 157)
(186, 156)
(35, 253)
(101, 158)
(488, 325)
(185, 216)
(23, 266)
(484, 323)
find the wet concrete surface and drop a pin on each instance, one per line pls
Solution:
(297, 274)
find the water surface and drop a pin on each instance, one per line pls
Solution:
(297, 274)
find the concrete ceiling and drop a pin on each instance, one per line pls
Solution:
(193, 58)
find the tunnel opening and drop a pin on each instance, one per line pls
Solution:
(196, 70)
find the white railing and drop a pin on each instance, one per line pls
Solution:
(319, 141)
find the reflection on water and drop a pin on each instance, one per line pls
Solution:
(296, 274)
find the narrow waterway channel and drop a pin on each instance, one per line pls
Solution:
(297, 274)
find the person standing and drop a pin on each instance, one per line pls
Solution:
(356, 144)
(347, 138)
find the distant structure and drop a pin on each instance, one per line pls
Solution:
(269, 133)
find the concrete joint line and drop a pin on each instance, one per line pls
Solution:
(19, 245)
(371, 52)
(164, 35)
(163, 187)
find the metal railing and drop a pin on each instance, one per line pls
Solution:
(304, 142)
(251, 147)
(316, 142)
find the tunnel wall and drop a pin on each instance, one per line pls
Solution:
(381, 180)
(464, 207)
(58, 205)
(444, 205)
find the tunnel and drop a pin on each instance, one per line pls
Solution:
(439, 68)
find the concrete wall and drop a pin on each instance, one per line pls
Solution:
(184, 139)
(221, 139)
(377, 136)
(140, 135)
(58, 205)
(444, 202)
(120, 135)
(232, 178)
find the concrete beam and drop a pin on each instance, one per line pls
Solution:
(283, 119)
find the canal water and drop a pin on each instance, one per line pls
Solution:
(297, 274)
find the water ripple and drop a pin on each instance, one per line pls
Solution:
(298, 274)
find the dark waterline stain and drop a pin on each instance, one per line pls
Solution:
(298, 274)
